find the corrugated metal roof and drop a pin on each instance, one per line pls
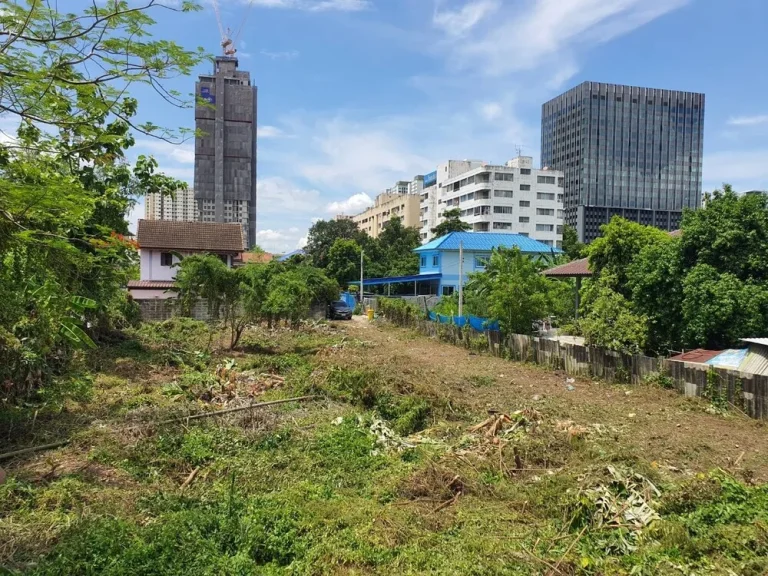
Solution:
(575, 269)
(397, 279)
(760, 341)
(150, 284)
(756, 361)
(487, 241)
(699, 356)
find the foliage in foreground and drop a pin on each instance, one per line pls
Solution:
(312, 490)
(66, 186)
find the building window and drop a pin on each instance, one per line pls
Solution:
(481, 262)
(502, 225)
(525, 204)
(448, 290)
(502, 209)
(545, 196)
(503, 177)
(435, 261)
(502, 193)
(545, 212)
(547, 242)
(526, 171)
(545, 227)
(524, 187)
(166, 259)
(545, 179)
(524, 219)
(423, 261)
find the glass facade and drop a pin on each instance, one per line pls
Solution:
(626, 151)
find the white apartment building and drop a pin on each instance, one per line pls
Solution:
(513, 198)
(181, 208)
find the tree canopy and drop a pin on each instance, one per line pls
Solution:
(452, 222)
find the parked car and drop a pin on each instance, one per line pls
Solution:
(339, 310)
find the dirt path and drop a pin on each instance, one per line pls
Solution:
(658, 425)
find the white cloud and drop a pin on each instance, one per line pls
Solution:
(277, 195)
(182, 153)
(748, 120)
(460, 21)
(352, 205)
(368, 156)
(269, 132)
(280, 241)
(532, 32)
(491, 110)
(744, 169)
(287, 55)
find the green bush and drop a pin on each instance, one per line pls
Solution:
(399, 311)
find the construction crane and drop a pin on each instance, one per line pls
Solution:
(227, 40)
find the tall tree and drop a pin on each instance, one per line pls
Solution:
(452, 223)
(397, 242)
(730, 233)
(620, 242)
(324, 233)
(571, 246)
(344, 261)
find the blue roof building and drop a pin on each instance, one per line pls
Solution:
(286, 257)
(439, 259)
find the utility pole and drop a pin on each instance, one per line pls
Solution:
(361, 276)
(461, 278)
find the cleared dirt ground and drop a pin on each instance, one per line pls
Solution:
(661, 425)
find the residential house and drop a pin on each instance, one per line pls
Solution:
(439, 260)
(164, 243)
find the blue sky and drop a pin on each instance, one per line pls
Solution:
(356, 94)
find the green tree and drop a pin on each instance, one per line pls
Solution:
(397, 243)
(344, 262)
(655, 283)
(66, 186)
(515, 291)
(621, 241)
(730, 233)
(452, 222)
(572, 248)
(611, 323)
(324, 233)
(719, 308)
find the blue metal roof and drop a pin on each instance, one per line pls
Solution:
(487, 241)
(288, 256)
(397, 279)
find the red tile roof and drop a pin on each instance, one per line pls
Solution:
(192, 236)
(260, 258)
(574, 269)
(150, 284)
(699, 356)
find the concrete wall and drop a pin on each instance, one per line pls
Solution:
(159, 310)
(142, 294)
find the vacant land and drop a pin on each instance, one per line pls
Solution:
(413, 457)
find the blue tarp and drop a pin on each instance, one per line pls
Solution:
(349, 299)
(478, 324)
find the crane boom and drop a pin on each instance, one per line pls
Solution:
(227, 41)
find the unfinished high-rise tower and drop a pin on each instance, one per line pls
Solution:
(225, 146)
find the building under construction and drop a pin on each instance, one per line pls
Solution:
(225, 146)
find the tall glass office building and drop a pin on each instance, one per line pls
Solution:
(626, 151)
